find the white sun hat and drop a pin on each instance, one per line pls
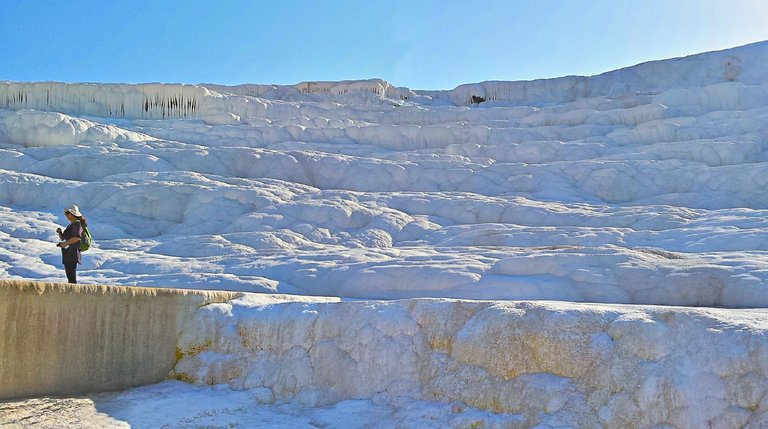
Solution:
(74, 210)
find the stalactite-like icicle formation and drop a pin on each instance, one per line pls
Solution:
(144, 101)
(165, 101)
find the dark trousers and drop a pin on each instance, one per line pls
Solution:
(71, 269)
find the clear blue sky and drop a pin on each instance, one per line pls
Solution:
(418, 44)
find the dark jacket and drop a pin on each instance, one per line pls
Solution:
(72, 252)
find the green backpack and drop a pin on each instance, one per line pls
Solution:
(85, 240)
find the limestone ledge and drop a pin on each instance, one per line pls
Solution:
(549, 363)
(27, 287)
(59, 338)
(552, 363)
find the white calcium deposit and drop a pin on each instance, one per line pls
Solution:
(641, 186)
(541, 364)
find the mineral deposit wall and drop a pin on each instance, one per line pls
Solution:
(61, 338)
(553, 364)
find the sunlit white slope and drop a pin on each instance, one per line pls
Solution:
(745, 65)
(642, 185)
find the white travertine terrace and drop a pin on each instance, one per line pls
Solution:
(524, 243)
(590, 365)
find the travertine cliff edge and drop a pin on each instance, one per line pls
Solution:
(552, 364)
(583, 365)
(61, 338)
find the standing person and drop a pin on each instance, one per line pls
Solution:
(70, 241)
